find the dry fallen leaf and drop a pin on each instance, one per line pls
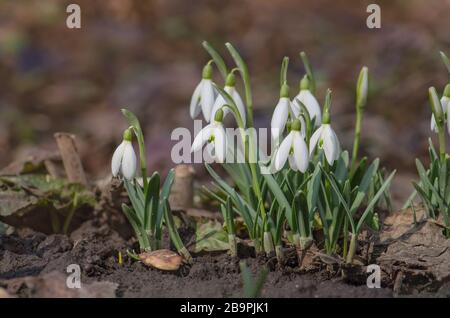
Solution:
(165, 260)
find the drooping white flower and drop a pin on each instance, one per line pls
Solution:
(280, 114)
(214, 134)
(324, 137)
(204, 95)
(440, 106)
(220, 101)
(307, 98)
(294, 148)
(124, 158)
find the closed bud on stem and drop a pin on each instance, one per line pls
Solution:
(436, 106)
(326, 108)
(362, 87)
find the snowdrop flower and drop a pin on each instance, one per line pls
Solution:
(294, 148)
(325, 138)
(124, 158)
(220, 100)
(204, 95)
(442, 108)
(307, 98)
(213, 134)
(281, 113)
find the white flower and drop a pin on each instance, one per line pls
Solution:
(444, 104)
(280, 117)
(215, 135)
(124, 158)
(203, 96)
(307, 98)
(325, 138)
(294, 148)
(220, 102)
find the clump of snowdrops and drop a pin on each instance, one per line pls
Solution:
(150, 209)
(307, 183)
(433, 186)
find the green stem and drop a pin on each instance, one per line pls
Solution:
(268, 243)
(352, 249)
(142, 160)
(441, 136)
(232, 244)
(345, 247)
(356, 141)
(69, 217)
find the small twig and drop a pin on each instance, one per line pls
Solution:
(70, 157)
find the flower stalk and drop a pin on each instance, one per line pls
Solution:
(361, 100)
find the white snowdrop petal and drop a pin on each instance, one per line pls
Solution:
(329, 144)
(279, 118)
(117, 159)
(433, 125)
(337, 145)
(220, 143)
(220, 101)
(301, 154)
(201, 138)
(128, 162)
(295, 106)
(311, 104)
(194, 108)
(315, 139)
(283, 152)
(207, 98)
(292, 163)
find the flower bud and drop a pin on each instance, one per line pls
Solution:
(436, 106)
(362, 87)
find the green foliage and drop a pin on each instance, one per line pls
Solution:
(434, 187)
(149, 202)
(325, 197)
(252, 287)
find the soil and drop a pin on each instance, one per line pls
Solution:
(33, 264)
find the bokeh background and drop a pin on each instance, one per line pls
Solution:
(147, 56)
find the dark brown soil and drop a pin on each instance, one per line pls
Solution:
(95, 248)
(33, 264)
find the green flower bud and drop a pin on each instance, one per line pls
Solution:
(436, 106)
(362, 87)
(207, 71)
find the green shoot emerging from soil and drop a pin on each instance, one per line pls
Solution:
(433, 187)
(252, 287)
(149, 208)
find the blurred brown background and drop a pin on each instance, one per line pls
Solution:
(147, 56)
